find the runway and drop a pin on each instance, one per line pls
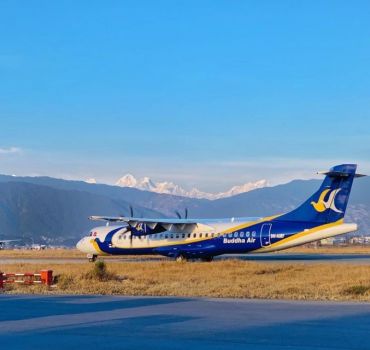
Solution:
(297, 258)
(109, 322)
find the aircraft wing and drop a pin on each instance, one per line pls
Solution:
(8, 240)
(167, 224)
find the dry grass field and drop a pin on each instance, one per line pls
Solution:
(40, 254)
(228, 278)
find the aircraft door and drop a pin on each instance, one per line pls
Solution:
(265, 235)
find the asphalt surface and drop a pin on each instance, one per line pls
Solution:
(360, 259)
(308, 258)
(108, 322)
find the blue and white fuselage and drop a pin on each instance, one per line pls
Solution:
(321, 216)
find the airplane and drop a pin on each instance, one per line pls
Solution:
(3, 242)
(320, 216)
(38, 246)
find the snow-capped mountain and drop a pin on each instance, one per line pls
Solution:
(91, 181)
(147, 184)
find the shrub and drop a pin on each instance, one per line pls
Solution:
(99, 272)
(356, 290)
(64, 281)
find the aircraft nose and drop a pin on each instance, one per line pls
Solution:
(80, 244)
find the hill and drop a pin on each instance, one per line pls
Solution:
(48, 209)
(39, 213)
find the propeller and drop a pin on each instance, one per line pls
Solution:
(179, 215)
(131, 212)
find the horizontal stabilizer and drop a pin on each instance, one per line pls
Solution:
(338, 174)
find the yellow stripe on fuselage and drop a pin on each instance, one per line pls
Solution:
(249, 224)
(97, 248)
(225, 232)
(299, 235)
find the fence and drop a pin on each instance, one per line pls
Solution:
(44, 277)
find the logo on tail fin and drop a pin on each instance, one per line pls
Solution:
(322, 205)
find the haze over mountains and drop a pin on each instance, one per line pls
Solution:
(43, 209)
(147, 184)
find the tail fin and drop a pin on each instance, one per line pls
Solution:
(329, 203)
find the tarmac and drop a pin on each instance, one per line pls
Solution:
(113, 322)
(298, 258)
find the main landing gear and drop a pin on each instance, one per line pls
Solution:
(92, 257)
(207, 259)
(183, 258)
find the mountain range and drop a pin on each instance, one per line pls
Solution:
(147, 184)
(44, 209)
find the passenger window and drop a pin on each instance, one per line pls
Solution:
(242, 234)
(177, 236)
(189, 235)
(195, 235)
(236, 234)
(171, 236)
(183, 235)
(166, 236)
(200, 235)
(247, 234)
(230, 235)
(206, 234)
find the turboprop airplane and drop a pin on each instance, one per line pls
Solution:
(3, 242)
(320, 216)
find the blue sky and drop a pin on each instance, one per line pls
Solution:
(205, 93)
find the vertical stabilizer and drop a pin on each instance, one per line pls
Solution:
(329, 203)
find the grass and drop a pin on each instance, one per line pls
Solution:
(228, 278)
(357, 290)
(100, 273)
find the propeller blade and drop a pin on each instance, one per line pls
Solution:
(131, 211)
(178, 214)
(130, 237)
(186, 213)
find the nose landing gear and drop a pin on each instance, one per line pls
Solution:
(92, 257)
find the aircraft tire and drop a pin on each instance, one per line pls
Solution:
(181, 258)
(207, 259)
(92, 258)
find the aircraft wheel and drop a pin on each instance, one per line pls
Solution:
(181, 258)
(207, 259)
(92, 258)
